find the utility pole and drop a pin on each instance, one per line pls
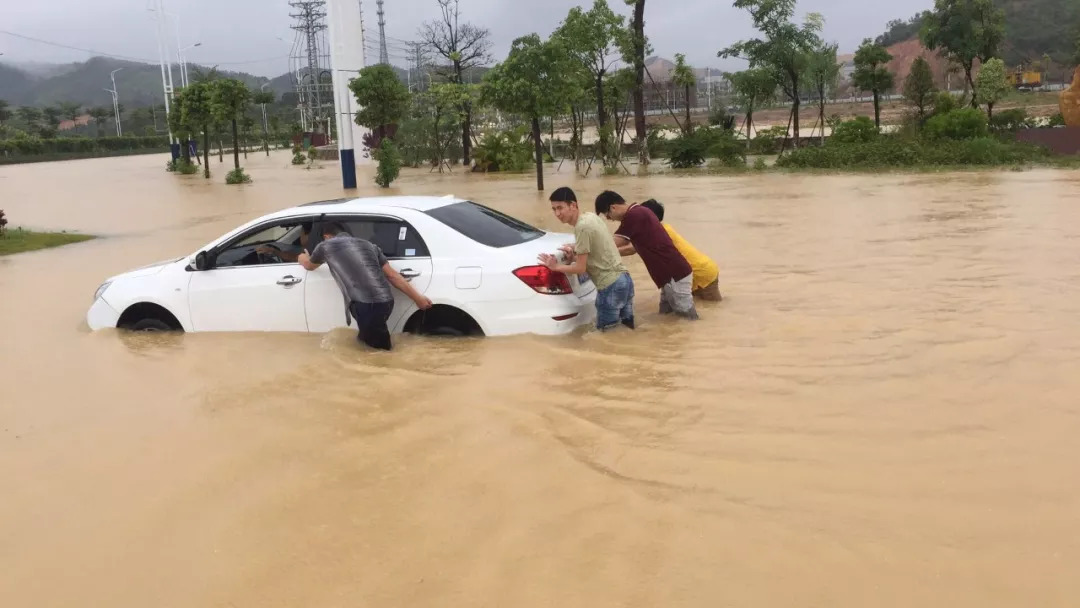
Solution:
(166, 70)
(384, 57)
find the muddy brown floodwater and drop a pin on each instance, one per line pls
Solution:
(884, 412)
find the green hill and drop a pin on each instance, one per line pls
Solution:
(1033, 28)
(84, 83)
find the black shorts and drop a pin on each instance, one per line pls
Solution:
(371, 323)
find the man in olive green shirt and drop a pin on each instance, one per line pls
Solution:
(595, 253)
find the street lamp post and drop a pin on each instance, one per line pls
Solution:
(266, 129)
(184, 80)
(116, 101)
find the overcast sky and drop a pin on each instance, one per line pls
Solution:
(243, 34)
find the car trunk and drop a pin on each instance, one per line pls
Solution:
(550, 243)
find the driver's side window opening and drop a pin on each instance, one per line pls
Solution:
(278, 243)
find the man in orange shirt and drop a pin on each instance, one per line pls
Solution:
(706, 284)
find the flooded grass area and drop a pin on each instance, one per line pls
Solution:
(19, 240)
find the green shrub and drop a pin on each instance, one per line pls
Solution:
(943, 103)
(171, 165)
(760, 164)
(768, 141)
(857, 131)
(719, 117)
(967, 123)
(888, 152)
(691, 150)
(237, 176)
(389, 163)
(1011, 120)
(186, 167)
(658, 145)
(504, 151)
(1057, 120)
(298, 158)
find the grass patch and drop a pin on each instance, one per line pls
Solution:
(18, 240)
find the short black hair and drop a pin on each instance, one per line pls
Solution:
(305, 227)
(563, 195)
(332, 228)
(654, 205)
(606, 199)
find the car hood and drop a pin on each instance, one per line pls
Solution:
(146, 270)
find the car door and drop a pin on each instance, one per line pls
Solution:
(244, 291)
(406, 252)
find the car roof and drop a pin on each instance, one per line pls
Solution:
(345, 205)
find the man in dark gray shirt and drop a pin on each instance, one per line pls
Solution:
(364, 276)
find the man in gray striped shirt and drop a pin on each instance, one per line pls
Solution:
(364, 276)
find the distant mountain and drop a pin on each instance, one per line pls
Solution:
(139, 84)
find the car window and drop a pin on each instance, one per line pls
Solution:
(485, 225)
(396, 238)
(284, 236)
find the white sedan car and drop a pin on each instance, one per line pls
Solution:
(478, 266)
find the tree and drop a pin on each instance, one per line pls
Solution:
(198, 110)
(1076, 53)
(5, 112)
(785, 49)
(383, 99)
(683, 76)
(231, 98)
(384, 102)
(444, 101)
(823, 73)
(70, 111)
(52, 116)
(919, 88)
(532, 82)
(634, 54)
(752, 88)
(593, 38)
(464, 46)
(871, 73)
(32, 117)
(992, 84)
(965, 30)
(100, 115)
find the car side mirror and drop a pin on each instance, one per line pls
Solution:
(202, 262)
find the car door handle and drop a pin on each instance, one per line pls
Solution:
(409, 273)
(289, 280)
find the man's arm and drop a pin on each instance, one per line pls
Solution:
(625, 246)
(578, 267)
(305, 261)
(405, 287)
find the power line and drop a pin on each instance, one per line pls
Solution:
(75, 48)
(130, 58)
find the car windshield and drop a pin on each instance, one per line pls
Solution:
(485, 225)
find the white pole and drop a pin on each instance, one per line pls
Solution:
(116, 101)
(161, 60)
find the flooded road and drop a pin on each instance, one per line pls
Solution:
(883, 412)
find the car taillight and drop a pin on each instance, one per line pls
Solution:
(544, 280)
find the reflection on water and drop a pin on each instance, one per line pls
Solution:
(881, 413)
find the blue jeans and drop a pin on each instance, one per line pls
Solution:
(615, 303)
